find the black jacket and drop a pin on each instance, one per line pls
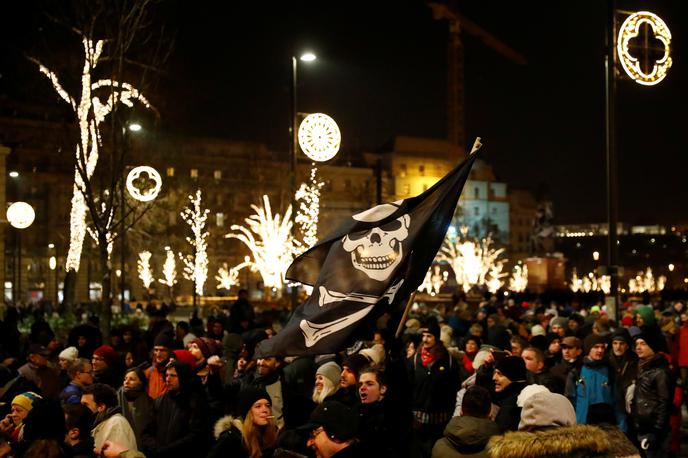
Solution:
(509, 414)
(652, 401)
(138, 409)
(434, 386)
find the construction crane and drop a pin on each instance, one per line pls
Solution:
(455, 63)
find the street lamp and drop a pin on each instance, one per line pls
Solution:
(20, 215)
(596, 255)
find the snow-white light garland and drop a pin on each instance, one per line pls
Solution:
(308, 198)
(196, 264)
(169, 270)
(434, 280)
(90, 113)
(144, 268)
(270, 240)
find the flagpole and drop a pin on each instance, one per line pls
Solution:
(405, 315)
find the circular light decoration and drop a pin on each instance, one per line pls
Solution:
(20, 215)
(629, 30)
(319, 137)
(144, 183)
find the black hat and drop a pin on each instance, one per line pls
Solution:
(248, 396)
(592, 340)
(513, 368)
(339, 421)
(356, 363)
(164, 339)
(654, 340)
(38, 349)
(431, 327)
(621, 333)
(539, 342)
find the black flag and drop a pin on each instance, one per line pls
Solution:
(380, 256)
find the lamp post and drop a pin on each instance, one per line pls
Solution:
(20, 215)
(136, 128)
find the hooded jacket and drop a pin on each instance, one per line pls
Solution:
(228, 441)
(576, 441)
(465, 437)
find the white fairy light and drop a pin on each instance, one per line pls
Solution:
(91, 112)
(434, 280)
(110, 236)
(646, 282)
(590, 282)
(20, 215)
(308, 198)
(229, 276)
(519, 279)
(196, 264)
(629, 30)
(270, 241)
(169, 270)
(474, 263)
(144, 268)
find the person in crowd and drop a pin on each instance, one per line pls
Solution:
(468, 434)
(348, 383)
(538, 374)
(559, 326)
(652, 399)
(183, 335)
(106, 366)
(241, 314)
(327, 378)
(209, 369)
(137, 407)
(109, 423)
(78, 440)
(162, 346)
(381, 429)
(253, 434)
(624, 363)
(81, 375)
(434, 378)
(12, 425)
(518, 344)
(333, 428)
(470, 346)
(571, 351)
(37, 375)
(647, 323)
(553, 353)
(509, 379)
(181, 426)
(65, 359)
(681, 349)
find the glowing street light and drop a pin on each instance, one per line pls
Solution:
(596, 255)
(308, 57)
(135, 127)
(14, 174)
(52, 262)
(20, 215)
(671, 267)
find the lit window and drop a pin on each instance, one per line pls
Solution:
(220, 219)
(170, 171)
(421, 169)
(194, 173)
(407, 189)
(217, 174)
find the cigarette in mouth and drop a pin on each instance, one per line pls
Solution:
(270, 416)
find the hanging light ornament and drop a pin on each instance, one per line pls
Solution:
(319, 137)
(630, 30)
(20, 215)
(143, 175)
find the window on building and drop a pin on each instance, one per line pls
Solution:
(220, 219)
(476, 192)
(407, 189)
(493, 210)
(476, 211)
(194, 173)
(217, 174)
(421, 170)
(402, 170)
(170, 171)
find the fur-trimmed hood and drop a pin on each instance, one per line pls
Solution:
(569, 441)
(225, 424)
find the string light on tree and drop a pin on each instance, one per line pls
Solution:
(144, 268)
(646, 282)
(519, 279)
(229, 276)
(434, 280)
(196, 264)
(308, 198)
(169, 270)
(90, 112)
(590, 282)
(270, 241)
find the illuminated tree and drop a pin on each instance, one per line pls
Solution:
(144, 268)
(169, 272)
(196, 264)
(519, 279)
(308, 199)
(646, 282)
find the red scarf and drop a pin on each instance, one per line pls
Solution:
(426, 356)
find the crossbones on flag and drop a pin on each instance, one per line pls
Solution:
(377, 258)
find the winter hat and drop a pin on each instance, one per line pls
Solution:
(571, 342)
(627, 321)
(70, 354)
(537, 330)
(164, 339)
(331, 371)
(592, 340)
(432, 328)
(559, 321)
(185, 356)
(339, 421)
(376, 354)
(528, 391)
(38, 349)
(539, 342)
(248, 396)
(412, 324)
(480, 358)
(552, 336)
(654, 340)
(513, 368)
(108, 354)
(647, 314)
(621, 334)
(207, 346)
(355, 362)
(26, 400)
(546, 409)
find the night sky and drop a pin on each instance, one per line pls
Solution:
(381, 72)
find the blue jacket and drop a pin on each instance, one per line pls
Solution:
(71, 394)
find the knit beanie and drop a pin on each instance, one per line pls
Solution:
(654, 340)
(355, 362)
(647, 314)
(537, 330)
(433, 328)
(545, 409)
(207, 346)
(559, 321)
(627, 321)
(248, 396)
(622, 334)
(592, 340)
(26, 400)
(185, 356)
(513, 368)
(164, 339)
(108, 354)
(70, 354)
(331, 371)
(376, 354)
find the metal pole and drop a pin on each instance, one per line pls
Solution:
(612, 178)
(293, 151)
(122, 236)
(19, 267)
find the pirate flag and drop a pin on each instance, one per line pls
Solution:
(377, 258)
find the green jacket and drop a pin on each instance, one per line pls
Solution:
(465, 437)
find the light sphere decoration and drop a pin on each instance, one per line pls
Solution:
(20, 215)
(319, 137)
(140, 175)
(629, 30)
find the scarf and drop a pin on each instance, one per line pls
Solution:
(427, 356)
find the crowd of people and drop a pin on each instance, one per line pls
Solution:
(491, 379)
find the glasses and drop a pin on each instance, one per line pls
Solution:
(317, 431)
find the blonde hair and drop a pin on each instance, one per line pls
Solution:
(258, 438)
(328, 389)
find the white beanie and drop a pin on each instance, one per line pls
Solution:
(70, 354)
(538, 330)
(376, 354)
